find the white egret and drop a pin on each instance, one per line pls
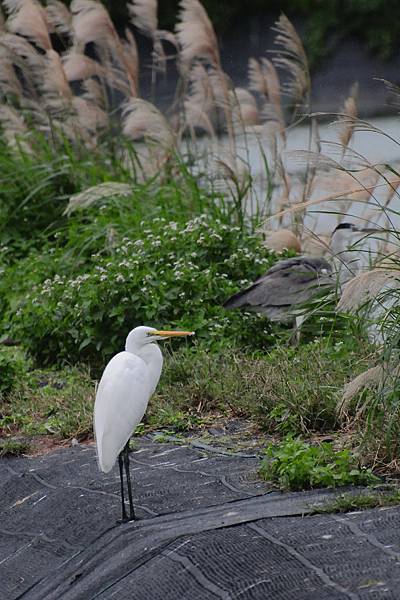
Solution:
(127, 383)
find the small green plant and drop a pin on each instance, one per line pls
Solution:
(164, 437)
(176, 420)
(351, 502)
(13, 368)
(297, 465)
(10, 447)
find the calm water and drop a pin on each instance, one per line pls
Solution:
(366, 147)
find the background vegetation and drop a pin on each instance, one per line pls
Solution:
(325, 24)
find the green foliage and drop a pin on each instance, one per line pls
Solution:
(50, 402)
(13, 368)
(166, 274)
(35, 188)
(296, 465)
(288, 390)
(303, 384)
(175, 420)
(376, 22)
(351, 502)
(10, 447)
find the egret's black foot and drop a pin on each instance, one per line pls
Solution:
(126, 520)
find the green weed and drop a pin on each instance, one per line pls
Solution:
(50, 402)
(9, 447)
(297, 465)
(352, 502)
(13, 367)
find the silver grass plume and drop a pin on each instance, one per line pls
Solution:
(380, 378)
(28, 18)
(59, 17)
(78, 66)
(207, 92)
(196, 36)
(281, 240)
(141, 119)
(292, 58)
(348, 117)
(10, 84)
(97, 193)
(56, 92)
(92, 23)
(144, 17)
(366, 287)
(22, 54)
(14, 129)
(264, 79)
(244, 108)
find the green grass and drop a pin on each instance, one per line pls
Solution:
(59, 403)
(10, 447)
(353, 502)
(196, 384)
(278, 390)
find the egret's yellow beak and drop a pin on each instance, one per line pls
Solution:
(171, 333)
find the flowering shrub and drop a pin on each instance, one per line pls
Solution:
(173, 275)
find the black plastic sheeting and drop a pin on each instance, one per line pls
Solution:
(208, 529)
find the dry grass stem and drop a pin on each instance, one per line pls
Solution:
(326, 198)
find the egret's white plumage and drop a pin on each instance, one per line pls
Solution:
(125, 388)
(121, 402)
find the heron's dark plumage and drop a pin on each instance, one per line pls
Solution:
(286, 285)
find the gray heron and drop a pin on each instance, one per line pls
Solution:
(293, 282)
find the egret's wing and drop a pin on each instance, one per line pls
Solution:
(287, 284)
(121, 401)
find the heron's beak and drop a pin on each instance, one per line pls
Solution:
(166, 334)
(371, 230)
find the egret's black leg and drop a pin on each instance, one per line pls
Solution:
(121, 476)
(128, 481)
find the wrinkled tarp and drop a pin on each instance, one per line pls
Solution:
(208, 529)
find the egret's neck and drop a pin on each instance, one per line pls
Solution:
(151, 355)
